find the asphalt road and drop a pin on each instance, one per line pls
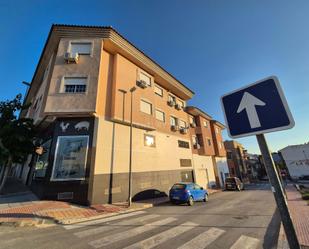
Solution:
(237, 220)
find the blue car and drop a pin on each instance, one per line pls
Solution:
(187, 192)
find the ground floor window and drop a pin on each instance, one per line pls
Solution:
(70, 158)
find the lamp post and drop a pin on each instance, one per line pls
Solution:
(130, 159)
(124, 92)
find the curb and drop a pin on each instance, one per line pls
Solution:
(79, 220)
(41, 222)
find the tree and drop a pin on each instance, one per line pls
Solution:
(16, 136)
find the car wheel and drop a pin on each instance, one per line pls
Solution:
(190, 201)
(206, 198)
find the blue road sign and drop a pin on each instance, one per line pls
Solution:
(256, 109)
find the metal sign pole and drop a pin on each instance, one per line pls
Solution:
(278, 193)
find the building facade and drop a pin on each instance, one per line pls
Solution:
(236, 159)
(296, 158)
(90, 83)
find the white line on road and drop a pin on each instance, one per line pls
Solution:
(162, 237)
(109, 227)
(245, 242)
(94, 222)
(129, 233)
(204, 239)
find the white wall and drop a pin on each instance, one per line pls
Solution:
(222, 167)
(296, 158)
(203, 164)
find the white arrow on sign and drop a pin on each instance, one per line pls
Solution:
(249, 102)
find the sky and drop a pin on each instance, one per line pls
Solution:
(212, 46)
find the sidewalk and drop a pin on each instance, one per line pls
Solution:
(299, 210)
(16, 210)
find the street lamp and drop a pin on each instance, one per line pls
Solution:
(130, 159)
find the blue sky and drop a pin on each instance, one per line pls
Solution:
(212, 46)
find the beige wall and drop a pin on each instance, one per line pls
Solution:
(112, 152)
(88, 65)
(201, 164)
(125, 75)
(112, 149)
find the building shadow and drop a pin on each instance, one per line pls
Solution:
(149, 194)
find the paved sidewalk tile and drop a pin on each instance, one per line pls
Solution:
(299, 211)
(300, 214)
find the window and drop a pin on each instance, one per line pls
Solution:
(195, 140)
(229, 155)
(200, 139)
(160, 115)
(183, 144)
(82, 48)
(179, 102)
(158, 91)
(70, 158)
(42, 161)
(75, 84)
(146, 107)
(145, 77)
(182, 124)
(209, 142)
(205, 124)
(185, 163)
(172, 98)
(149, 140)
(173, 121)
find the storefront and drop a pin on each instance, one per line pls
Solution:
(62, 171)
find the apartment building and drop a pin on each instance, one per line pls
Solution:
(90, 83)
(236, 159)
(209, 156)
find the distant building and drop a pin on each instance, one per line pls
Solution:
(236, 157)
(296, 158)
(254, 167)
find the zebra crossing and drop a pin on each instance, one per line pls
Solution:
(107, 232)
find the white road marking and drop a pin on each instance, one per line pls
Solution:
(204, 239)
(162, 237)
(109, 227)
(94, 222)
(129, 233)
(245, 242)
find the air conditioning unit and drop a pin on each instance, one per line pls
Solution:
(183, 130)
(71, 58)
(142, 84)
(171, 103)
(178, 106)
(174, 127)
(193, 125)
(196, 146)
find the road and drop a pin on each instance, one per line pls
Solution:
(236, 220)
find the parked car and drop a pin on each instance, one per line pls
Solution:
(187, 192)
(233, 183)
